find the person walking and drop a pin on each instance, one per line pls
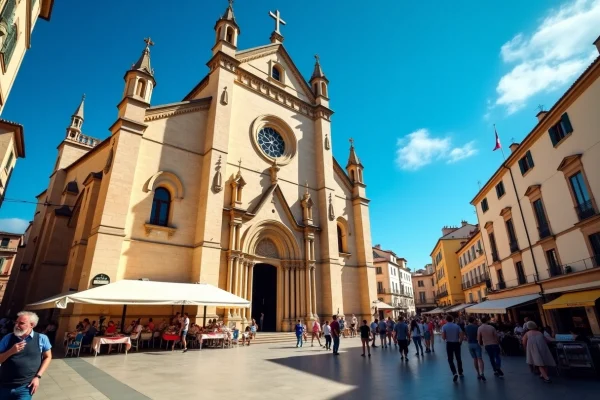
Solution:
(390, 331)
(487, 336)
(327, 334)
(299, 332)
(538, 353)
(24, 357)
(316, 331)
(402, 338)
(431, 328)
(426, 335)
(185, 326)
(453, 336)
(382, 331)
(416, 333)
(335, 335)
(374, 327)
(365, 336)
(354, 325)
(474, 347)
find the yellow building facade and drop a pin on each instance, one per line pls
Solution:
(17, 20)
(445, 261)
(235, 186)
(473, 268)
(539, 212)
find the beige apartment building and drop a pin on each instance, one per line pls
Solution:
(235, 185)
(424, 289)
(9, 244)
(394, 286)
(12, 146)
(17, 20)
(473, 268)
(540, 217)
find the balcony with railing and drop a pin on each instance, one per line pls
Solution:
(520, 280)
(572, 267)
(585, 210)
(427, 301)
(8, 248)
(393, 292)
(476, 280)
(441, 294)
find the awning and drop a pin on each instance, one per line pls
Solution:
(459, 307)
(438, 310)
(501, 305)
(383, 306)
(577, 299)
(146, 293)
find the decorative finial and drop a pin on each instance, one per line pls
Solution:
(540, 107)
(351, 142)
(240, 165)
(83, 97)
(149, 42)
(230, 3)
(317, 57)
(306, 187)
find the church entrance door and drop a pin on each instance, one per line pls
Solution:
(264, 296)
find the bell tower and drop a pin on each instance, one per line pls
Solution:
(227, 33)
(354, 166)
(139, 84)
(74, 129)
(319, 84)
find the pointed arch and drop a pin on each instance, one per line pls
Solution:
(274, 231)
(168, 180)
(342, 235)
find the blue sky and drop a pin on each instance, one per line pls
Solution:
(417, 86)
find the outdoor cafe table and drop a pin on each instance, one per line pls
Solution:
(212, 336)
(168, 337)
(110, 340)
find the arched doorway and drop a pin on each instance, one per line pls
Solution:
(264, 296)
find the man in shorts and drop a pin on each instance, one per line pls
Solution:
(365, 336)
(185, 326)
(475, 348)
(389, 330)
(402, 338)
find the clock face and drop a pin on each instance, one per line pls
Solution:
(271, 142)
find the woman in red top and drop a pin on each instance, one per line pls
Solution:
(430, 327)
(111, 329)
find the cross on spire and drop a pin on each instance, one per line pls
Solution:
(317, 57)
(351, 142)
(277, 17)
(230, 3)
(149, 42)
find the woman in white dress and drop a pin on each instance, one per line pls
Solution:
(538, 353)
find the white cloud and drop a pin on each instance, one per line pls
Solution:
(419, 148)
(558, 50)
(13, 225)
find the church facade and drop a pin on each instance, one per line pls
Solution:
(235, 185)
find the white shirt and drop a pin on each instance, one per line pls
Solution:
(186, 324)
(326, 330)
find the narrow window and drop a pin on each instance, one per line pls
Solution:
(561, 130)
(340, 240)
(500, 189)
(540, 216)
(520, 273)
(526, 163)
(160, 207)
(484, 205)
(553, 265)
(229, 36)
(141, 88)
(585, 208)
(323, 89)
(276, 74)
(5, 242)
(512, 237)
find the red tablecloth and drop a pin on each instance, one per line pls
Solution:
(168, 337)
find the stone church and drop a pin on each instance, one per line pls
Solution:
(235, 185)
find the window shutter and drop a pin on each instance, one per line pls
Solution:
(566, 123)
(553, 135)
(521, 166)
(529, 159)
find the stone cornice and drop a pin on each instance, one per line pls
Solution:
(222, 60)
(169, 110)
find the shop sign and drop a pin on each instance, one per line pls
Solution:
(101, 279)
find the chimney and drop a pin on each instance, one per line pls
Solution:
(377, 246)
(597, 43)
(540, 116)
(513, 147)
(447, 229)
(463, 222)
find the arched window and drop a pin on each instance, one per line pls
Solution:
(219, 34)
(2, 261)
(323, 89)
(160, 207)
(141, 88)
(352, 176)
(316, 88)
(276, 73)
(229, 36)
(340, 239)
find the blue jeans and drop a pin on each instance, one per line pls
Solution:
(336, 344)
(15, 393)
(493, 351)
(299, 340)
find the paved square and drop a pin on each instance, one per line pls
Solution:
(282, 371)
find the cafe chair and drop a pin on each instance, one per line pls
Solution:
(75, 345)
(145, 337)
(135, 341)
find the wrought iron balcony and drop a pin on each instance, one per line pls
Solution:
(514, 246)
(575, 266)
(544, 231)
(439, 295)
(501, 285)
(585, 210)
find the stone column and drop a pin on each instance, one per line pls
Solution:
(308, 291)
(297, 280)
(230, 260)
(250, 284)
(286, 292)
(280, 294)
(314, 289)
(244, 292)
(292, 292)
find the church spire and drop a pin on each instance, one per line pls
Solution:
(74, 128)
(354, 167)
(143, 63)
(79, 112)
(227, 32)
(318, 80)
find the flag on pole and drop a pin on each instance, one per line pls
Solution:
(498, 145)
